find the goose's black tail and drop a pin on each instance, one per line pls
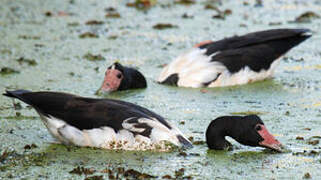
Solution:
(17, 94)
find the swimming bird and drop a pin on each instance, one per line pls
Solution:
(102, 123)
(119, 77)
(247, 130)
(232, 61)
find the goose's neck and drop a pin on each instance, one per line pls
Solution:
(215, 137)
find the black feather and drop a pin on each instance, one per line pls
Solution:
(256, 50)
(84, 113)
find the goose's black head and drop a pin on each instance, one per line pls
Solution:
(247, 130)
(119, 77)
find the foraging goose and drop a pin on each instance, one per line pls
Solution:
(119, 77)
(102, 123)
(247, 130)
(232, 61)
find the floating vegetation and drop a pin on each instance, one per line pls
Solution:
(112, 37)
(314, 142)
(88, 35)
(30, 62)
(5, 51)
(27, 37)
(307, 176)
(112, 15)
(4, 155)
(248, 113)
(92, 57)
(30, 146)
(299, 138)
(142, 4)
(73, 24)
(161, 26)
(48, 13)
(185, 2)
(94, 22)
(222, 14)
(94, 178)
(275, 23)
(18, 116)
(120, 172)
(7, 71)
(211, 7)
(307, 153)
(109, 9)
(187, 16)
(306, 17)
(82, 170)
(26, 160)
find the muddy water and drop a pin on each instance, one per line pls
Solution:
(40, 40)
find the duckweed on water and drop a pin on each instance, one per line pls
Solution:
(92, 57)
(10, 159)
(88, 35)
(94, 22)
(120, 172)
(30, 62)
(21, 117)
(27, 37)
(248, 113)
(306, 17)
(82, 170)
(112, 15)
(185, 2)
(94, 178)
(49, 40)
(7, 71)
(161, 26)
(142, 4)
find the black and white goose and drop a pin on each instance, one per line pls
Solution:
(232, 61)
(102, 123)
(247, 130)
(119, 77)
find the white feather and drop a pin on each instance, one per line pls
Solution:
(53, 125)
(195, 68)
(73, 135)
(244, 76)
(107, 138)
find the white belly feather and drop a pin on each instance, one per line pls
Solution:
(195, 68)
(107, 138)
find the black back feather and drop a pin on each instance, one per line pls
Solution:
(256, 50)
(84, 113)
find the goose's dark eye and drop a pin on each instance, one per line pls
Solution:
(119, 76)
(258, 127)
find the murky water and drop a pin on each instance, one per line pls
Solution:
(48, 33)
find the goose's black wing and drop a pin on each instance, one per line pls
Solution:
(256, 50)
(84, 113)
